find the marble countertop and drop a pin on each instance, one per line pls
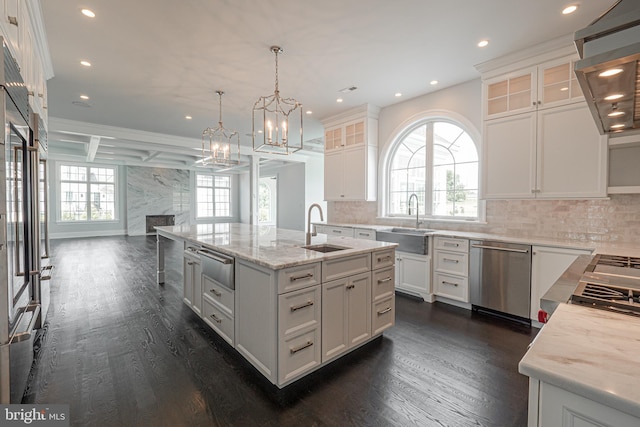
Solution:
(268, 246)
(589, 352)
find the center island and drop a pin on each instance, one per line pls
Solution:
(287, 307)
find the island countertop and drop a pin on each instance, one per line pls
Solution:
(268, 246)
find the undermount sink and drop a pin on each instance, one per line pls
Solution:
(413, 240)
(324, 248)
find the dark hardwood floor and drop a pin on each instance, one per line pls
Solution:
(123, 351)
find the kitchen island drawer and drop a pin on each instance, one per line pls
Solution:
(451, 244)
(452, 262)
(219, 320)
(218, 293)
(383, 258)
(298, 277)
(299, 310)
(337, 268)
(383, 315)
(383, 283)
(298, 354)
(452, 287)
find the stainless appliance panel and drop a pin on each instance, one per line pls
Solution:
(218, 266)
(500, 277)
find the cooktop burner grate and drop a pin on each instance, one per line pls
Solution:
(619, 261)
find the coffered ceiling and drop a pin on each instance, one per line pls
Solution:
(155, 62)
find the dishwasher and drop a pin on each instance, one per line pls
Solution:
(500, 278)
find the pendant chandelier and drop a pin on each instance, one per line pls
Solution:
(277, 129)
(220, 146)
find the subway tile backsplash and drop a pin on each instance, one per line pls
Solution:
(616, 219)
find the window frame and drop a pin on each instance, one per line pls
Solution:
(88, 194)
(400, 133)
(195, 196)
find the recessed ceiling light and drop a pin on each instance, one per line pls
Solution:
(188, 117)
(339, 100)
(88, 12)
(85, 63)
(616, 114)
(483, 43)
(309, 112)
(610, 72)
(613, 97)
(398, 95)
(85, 97)
(433, 82)
(618, 126)
(569, 9)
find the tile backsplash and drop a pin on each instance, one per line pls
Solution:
(616, 219)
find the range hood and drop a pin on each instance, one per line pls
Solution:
(609, 68)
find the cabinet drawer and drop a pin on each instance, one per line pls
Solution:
(298, 354)
(219, 321)
(452, 262)
(341, 267)
(338, 231)
(452, 244)
(384, 258)
(383, 283)
(364, 233)
(383, 314)
(299, 310)
(453, 287)
(218, 293)
(298, 277)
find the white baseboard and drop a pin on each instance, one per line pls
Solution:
(81, 234)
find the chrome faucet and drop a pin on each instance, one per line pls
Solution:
(311, 233)
(417, 210)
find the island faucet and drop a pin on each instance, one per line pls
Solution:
(417, 210)
(311, 233)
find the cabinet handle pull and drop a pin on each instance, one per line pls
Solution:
(215, 318)
(455, 245)
(216, 293)
(450, 260)
(13, 20)
(449, 283)
(306, 276)
(388, 279)
(364, 234)
(302, 347)
(385, 258)
(386, 310)
(301, 306)
(351, 286)
(337, 231)
(189, 262)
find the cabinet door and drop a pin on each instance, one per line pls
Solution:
(355, 174)
(359, 308)
(414, 273)
(187, 290)
(334, 318)
(571, 154)
(354, 133)
(333, 176)
(557, 84)
(197, 287)
(510, 94)
(509, 155)
(547, 265)
(333, 139)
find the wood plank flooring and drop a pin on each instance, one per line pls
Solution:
(123, 351)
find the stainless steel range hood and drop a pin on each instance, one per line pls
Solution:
(609, 68)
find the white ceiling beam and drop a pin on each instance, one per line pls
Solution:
(94, 143)
(151, 156)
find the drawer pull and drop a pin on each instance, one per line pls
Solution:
(455, 261)
(337, 231)
(384, 258)
(364, 234)
(388, 279)
(455, 245)
(301, 306)
(190, 262)
(302, 347)
(306, 276)
(215, 318)
(216, 293)
(449, 283)
(386, 310)
(351, 286)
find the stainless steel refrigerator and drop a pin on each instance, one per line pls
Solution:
(21, 223)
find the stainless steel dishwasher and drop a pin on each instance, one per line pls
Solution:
(500, 277)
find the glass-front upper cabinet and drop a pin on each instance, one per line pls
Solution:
(513, 93)
(558, 84)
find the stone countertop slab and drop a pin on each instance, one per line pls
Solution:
(589, 352)
(268, 246)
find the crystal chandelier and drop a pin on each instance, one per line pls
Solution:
(273, 131)
(220, 146)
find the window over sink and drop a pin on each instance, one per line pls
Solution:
(437, 159)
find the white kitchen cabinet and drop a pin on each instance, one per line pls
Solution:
(413, 274)
(351, 147)
(547, 265)
(346, 314)
(333, 230)
(558, 407)
(451, 268)
(364, 233)
(192, 277)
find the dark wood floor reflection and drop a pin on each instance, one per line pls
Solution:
(123, 351)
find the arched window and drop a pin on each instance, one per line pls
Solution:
(437, 160)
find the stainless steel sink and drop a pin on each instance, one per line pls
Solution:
(413, 240)
(324, 248)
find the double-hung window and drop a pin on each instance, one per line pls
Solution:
(437, 161)
(213, 196)
(87, 193)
